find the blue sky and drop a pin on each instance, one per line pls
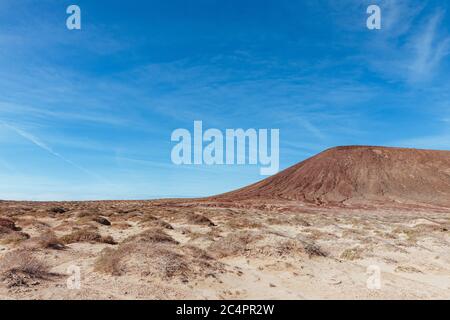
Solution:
(88, 114)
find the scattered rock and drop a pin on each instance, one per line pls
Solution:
(102, 221)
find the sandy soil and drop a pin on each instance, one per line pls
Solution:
(206, 250)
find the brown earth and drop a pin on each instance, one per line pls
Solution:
(359, 174)
(322, 229)
(181, 249)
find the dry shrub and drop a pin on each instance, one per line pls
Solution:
(31, 222)
(168, 263)
(199, 219)
(277, 220)
(86, 235)
(314, 250)
(288, 248)
(4, 231)
(134, 215)
(10, 233)
(18, 267)
(154, 253)
(242, 223)
(412, 234)
(288, 220)
(58, 210)
(164, 224)
(121, 225)
(234, 243)
(153, 235)
(87, 213)
(109, 261)
(49, 240)
(14, 237)
(197, 253)
(149, 218)
(407, 269)
(8, 224)
(299, 221)
(155, 222)
(352, 254)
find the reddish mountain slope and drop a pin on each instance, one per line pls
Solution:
(359, 174)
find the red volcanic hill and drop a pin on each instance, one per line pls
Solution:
(359, 174)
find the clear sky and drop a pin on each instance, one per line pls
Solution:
(88, 114)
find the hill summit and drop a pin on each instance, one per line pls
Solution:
(359, 174)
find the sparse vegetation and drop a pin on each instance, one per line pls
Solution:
(6, 223)
(153, 235)
(162, 251)
(58, 210)
(18, 267)
(102, 221)
(49, 240)
(13, 237)
(86, 235)
(234, 244)
(109, 261)
(199, 219)
(351, 254)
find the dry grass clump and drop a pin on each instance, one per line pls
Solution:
(86, 235)
(199, 219)
(110, 260)
(31, 222)
(122, 225)
(287, 219)
(352, 254)
(6, 223)
(413, 234)
(9, 232)
(243, 222)
(299, 221)
(168, 263)
(314, 250)
(18, 267)
(149, 218)
(279, 220)
(235, 243)
(155, 222)
(288, 248)
(154, 253)
(87, 213)
(12, 237)
(58, 210)
(49, 240)
(407, 269)
(153, 235)
(164, 224)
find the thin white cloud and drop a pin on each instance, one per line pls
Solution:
(430, 49)
(411, 45)
(36, 141)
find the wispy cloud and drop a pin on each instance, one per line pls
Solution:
(39, 143)
(431, 46)
(412, 43)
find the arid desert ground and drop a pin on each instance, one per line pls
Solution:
(206, 250)
(349, 223)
